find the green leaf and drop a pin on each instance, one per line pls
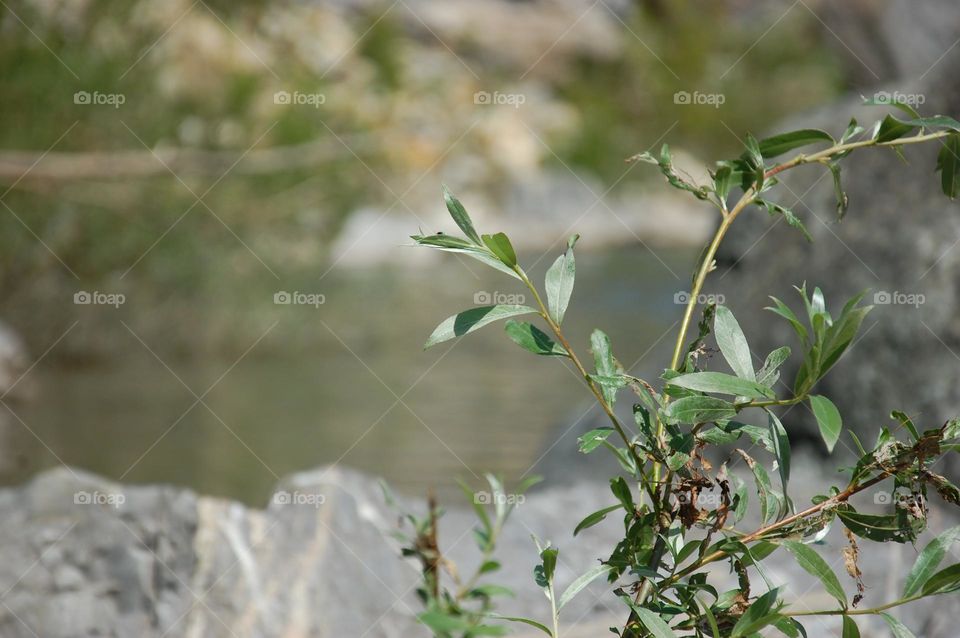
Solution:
(723, 181)
(699, 409)
(589, 441)
(792, 220)
(665, 163)
(733, 344)
(879, 528)
(769, 498)
(651, 620)
(853, 130)
(543, 573)
(850, 629)
(757, 616)
(441, 623)
(559, 282)
(780, 144)
(530, 338)
(595, 518)
(928, 561)
(841, 333)
(940, 121)
(721, 383)
(898, 628)
(606, 367)
(944, 581)
(500, 246)
(892, 129)
(768, 375)
(813, 564)
(843, 201)
(948, 163)
(828, 418)
(884, 98)
(784, 311)
(525, 621)
(781, 449)
(906, 422)
(460, 216)
(580, 583)
(450, 244)
(473, 319)
(621, 490)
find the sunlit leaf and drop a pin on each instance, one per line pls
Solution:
(813, 564)
(460, 216)
(473, 319)
(828, 419)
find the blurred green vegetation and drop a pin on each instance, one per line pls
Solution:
(203, 78)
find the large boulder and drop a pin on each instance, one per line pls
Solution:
(900, 239)
(81, 556)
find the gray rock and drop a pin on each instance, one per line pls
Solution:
(900, 238)
(80, 556)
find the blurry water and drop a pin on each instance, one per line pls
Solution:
(349, 382)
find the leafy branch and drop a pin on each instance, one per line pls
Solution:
(657, 568)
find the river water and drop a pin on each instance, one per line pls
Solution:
(348, 382)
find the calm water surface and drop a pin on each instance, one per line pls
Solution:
(348, 382)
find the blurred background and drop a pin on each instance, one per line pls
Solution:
(205, 210)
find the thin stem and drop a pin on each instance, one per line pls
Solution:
(763, 531)
(856, 612)
(555, 328)
(727, 219)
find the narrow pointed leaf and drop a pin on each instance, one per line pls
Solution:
(733, 344)
(944, 581)
(780, 144)
(720, 383)
(700, 409)
(525, 621)
(769, 499)
(828, 419)
(559, 283)
(500, 246)
(814, 565)
(898, 629)
(948, 163)
(606, 367)
(530, 338)
(892, 129)
(768, 375)
(473, 319)
(759, 615)
(781, 449)
(460, 216)
(595, 518)
(580, 583)
(928, 561)
(850, 629)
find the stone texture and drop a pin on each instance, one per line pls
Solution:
(901, 235)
